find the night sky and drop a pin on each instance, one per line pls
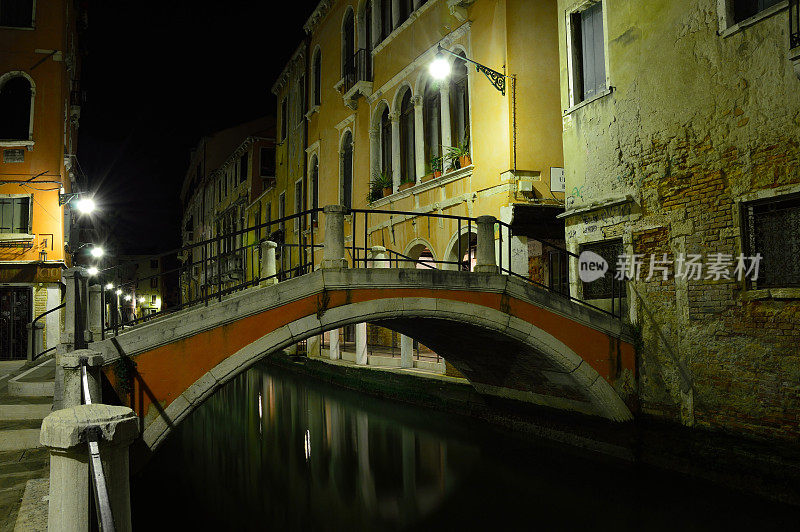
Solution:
(158, 76)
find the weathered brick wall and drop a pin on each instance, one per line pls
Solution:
(696, 124)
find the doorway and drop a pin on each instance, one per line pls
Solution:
(15, 314)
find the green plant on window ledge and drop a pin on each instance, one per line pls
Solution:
(380, 186)
(436, 165)
(458, 155)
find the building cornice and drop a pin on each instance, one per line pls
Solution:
(296, 62)
(317, 15)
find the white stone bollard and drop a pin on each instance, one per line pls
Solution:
(95, 324)
(333, 256)
(335, 347)
(379, 257)
(68, 277)
(406, 351)
(65, 433)
(71, 366)
(268, 266)
(485, 261)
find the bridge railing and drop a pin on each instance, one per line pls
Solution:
(208, 270)
(212, 268)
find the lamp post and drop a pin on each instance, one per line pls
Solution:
(440, 69)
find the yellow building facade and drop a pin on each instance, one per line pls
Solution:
(40, 98)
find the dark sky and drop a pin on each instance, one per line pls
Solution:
(158, 75)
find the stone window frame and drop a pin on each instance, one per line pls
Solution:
(29, 232)
(577, 7)
(728, 26)
(29, 142)
(747, 292)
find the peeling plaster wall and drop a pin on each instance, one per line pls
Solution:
(695, 123)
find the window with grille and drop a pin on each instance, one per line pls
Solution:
(15, 214)
(588, 53)
(601, 288)
(772, 229)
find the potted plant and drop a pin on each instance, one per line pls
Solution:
(436, 166)
(405, 182)
(458, 155)
(383, 181)
(375, 191)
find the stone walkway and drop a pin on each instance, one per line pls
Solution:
(22, 459)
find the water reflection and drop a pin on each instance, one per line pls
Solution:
(273, 450)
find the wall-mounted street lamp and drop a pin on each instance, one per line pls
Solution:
(81, 203)
(92, 270)
(440, 69)
(97, 252)
(110, 286)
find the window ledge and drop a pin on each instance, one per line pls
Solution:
(16, 237)
(771, 293)
(424, 187)
(758, 17)
(23, 28)
(597, 96)
(17, 143)
(406, 23)
(310, 113)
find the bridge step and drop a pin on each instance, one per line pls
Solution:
(38, 381)
(24, 412)
(19, 439)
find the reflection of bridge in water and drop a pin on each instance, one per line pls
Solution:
(304, 455)
(509, 337)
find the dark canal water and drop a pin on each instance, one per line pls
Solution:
(273, 451)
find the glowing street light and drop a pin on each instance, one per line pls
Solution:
(110, 286)
(128, 297)
(440, 67)
(91, 270)
(85, 205)
(141, 299)
(97, 252)
(118, 292)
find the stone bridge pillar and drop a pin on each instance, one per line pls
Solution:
(65, 433)
(333, 256)
(268, 267)
(71, 366)
(95, 311)
(485, 261)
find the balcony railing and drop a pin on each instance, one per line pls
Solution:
(357, 68)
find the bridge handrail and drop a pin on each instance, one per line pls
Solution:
(105, 516)
(556, 260)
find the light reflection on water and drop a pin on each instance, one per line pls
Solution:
(274, 450)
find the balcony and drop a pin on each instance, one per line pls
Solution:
(357, 79)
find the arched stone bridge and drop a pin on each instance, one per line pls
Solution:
(508, 337)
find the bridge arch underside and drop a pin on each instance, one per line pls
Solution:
(501, 354)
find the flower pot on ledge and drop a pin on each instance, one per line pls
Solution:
(464, 161)
(387, 191)
(403, 186)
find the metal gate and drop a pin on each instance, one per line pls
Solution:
(15, 314)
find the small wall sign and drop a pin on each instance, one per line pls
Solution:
(14, 156)
(557, 182)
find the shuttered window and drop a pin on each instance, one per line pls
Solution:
(15, 215)
(589, 65)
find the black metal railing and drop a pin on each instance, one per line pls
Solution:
(357, 67)
(33, 332)
(212, 268)
(227, 263)
(794, 23)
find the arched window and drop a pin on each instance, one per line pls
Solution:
(348, 43)
(386, 143)
(459, 102)
(431, 114)
(316, 83)
(313, 187)
(347, 170)
(16, 101)
(367, 23)
(407, 163)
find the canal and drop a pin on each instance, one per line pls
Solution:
(272, 450)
